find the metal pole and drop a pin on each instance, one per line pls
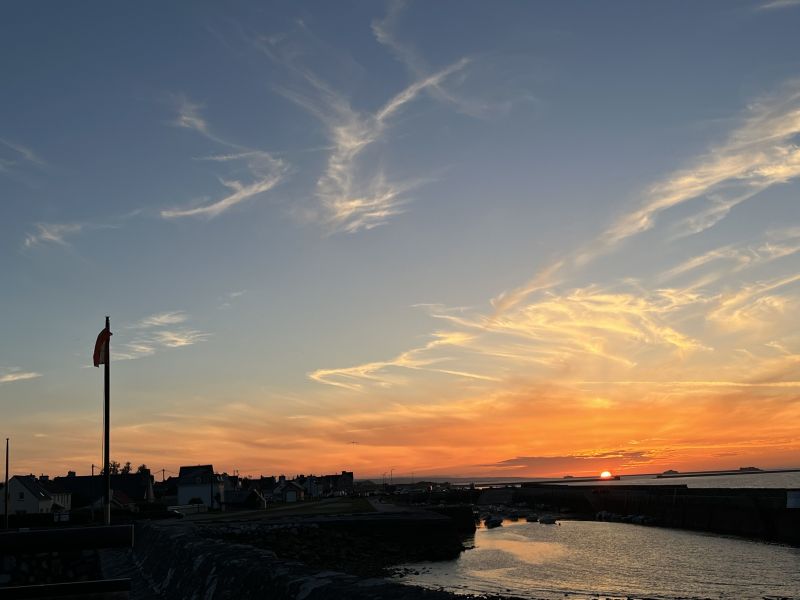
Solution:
(5, 491)
(107, 426)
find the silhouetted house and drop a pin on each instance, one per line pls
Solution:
(166, 491)
(121, 500)
(27, 496)
(288, 491)
(326, 485)
(199, 485)
(266, 485)
(89, 490)
(310, 485)
(232, 483)
(62, 499)
(336, 485)
(250, 499)
(367, 488)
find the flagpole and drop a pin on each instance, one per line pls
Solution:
(107, 424)
(5, 491)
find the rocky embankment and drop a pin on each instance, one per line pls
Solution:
(318, 558)
(367, 545)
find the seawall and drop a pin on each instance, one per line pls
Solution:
(232, 559)
(755, 513)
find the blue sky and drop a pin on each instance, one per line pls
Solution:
(371, 221)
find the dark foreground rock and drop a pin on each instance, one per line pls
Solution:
(365, 545)
(186, 560)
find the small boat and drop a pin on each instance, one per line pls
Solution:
(493, 522)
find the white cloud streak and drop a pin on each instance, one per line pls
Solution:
(155, 333)
(266, 170)
(19, 156)
(351, 198)
(642, 330)
(162, 319)
(778, 4)
(52, 233)
(18, 375)
(761, 153)
(189, 116)
(384, 32)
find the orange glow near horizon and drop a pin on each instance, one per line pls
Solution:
(605, 475)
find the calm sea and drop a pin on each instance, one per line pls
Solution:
(789, 480)
(587, 559)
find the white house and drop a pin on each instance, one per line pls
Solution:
(199, 485)
(26, 496)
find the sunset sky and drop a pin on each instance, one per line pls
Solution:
(475, 238)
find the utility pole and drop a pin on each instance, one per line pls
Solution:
(5, 491)
(92, 469)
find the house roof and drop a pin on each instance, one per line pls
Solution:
(86, 489)
(29, 482)
(242, 496)
(195, 474)
(52, 487)
(282, 487)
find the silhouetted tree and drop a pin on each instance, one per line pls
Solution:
(127, 468)
(142, 468)
(113, 468)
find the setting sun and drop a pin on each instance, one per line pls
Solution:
(605, 475)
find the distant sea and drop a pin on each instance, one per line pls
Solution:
(786, 479)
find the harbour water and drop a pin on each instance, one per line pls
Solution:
(582, 560)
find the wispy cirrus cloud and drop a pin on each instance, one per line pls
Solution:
(16, 374)
(15, 156)
(350, 196)
(189, 116)
(265, 170)
(230, 297)
(480, 101)
(155, 333)
(647, 328)
(162, 319)
(52, 233)
(738, 257)
(762, 152)
(60, 234)
(778, 4)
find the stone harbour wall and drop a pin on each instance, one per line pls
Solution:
(194, 561)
